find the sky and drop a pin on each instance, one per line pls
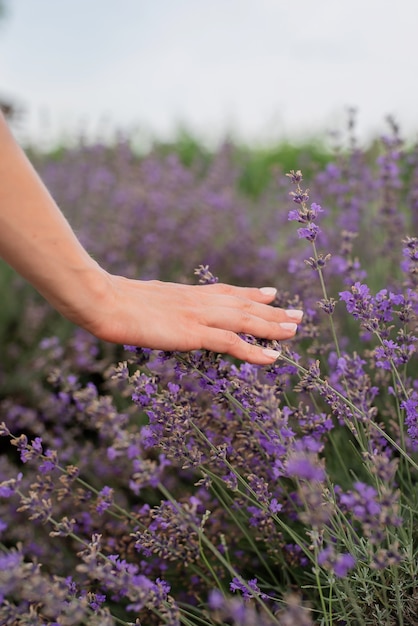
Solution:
(258, 70)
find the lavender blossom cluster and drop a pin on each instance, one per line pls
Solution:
(153, 488)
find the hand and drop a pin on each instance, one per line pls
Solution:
(169, 316)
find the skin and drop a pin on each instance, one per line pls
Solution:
(38, 242)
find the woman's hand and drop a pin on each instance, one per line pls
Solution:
(169, 316)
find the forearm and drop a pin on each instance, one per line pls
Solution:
(35, 238)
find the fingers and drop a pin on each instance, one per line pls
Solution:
(245, 311)
(227, 342)
(264, 294)
(241, 321)
(245, 307)
(249, 299)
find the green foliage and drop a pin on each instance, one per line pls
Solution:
(259, 164)
(186, 146)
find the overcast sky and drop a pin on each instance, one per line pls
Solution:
(262, 69)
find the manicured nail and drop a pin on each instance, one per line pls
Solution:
(295, 314)
(268, 291)
(272, 354)
(289, 326)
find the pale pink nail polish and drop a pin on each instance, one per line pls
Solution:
(295, 314)
(289, 326)
(273, 354)
(268, 291)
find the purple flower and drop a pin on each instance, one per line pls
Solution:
(98, 600)
(205, 275)
(343, 563)
(295, 177)
(49, 463)
(302, 467)
(248, 590)
(315, 210)
(8, 487)
(309, 232)
(325, 556)
(295, 216)
(37, 445)
(386, 355)
(299, 197)
(358, 301)
(411, 416)
(340, 564)
(362, 502)
(4, 431)
(305, 215)
(216, 599)
(10, 560)
(104, 499)
(275, 506)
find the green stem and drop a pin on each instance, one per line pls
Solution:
(186, 610)
(236, 404)
(355, 410)
(219, 556)
(325, 294)
(295, 537)
(319, 588)
(247, 535)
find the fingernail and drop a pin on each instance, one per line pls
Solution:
(289, 326)
(296, 314)
(268, 291)
(273, 354)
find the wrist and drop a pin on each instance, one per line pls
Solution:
(79, 292)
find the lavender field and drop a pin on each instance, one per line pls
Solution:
(151, 488)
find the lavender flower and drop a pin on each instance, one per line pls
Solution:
(340, 564)
(248, 589)
(411, 416)
(358, 301)
(303, 467)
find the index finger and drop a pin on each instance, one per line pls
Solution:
(263, 294)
